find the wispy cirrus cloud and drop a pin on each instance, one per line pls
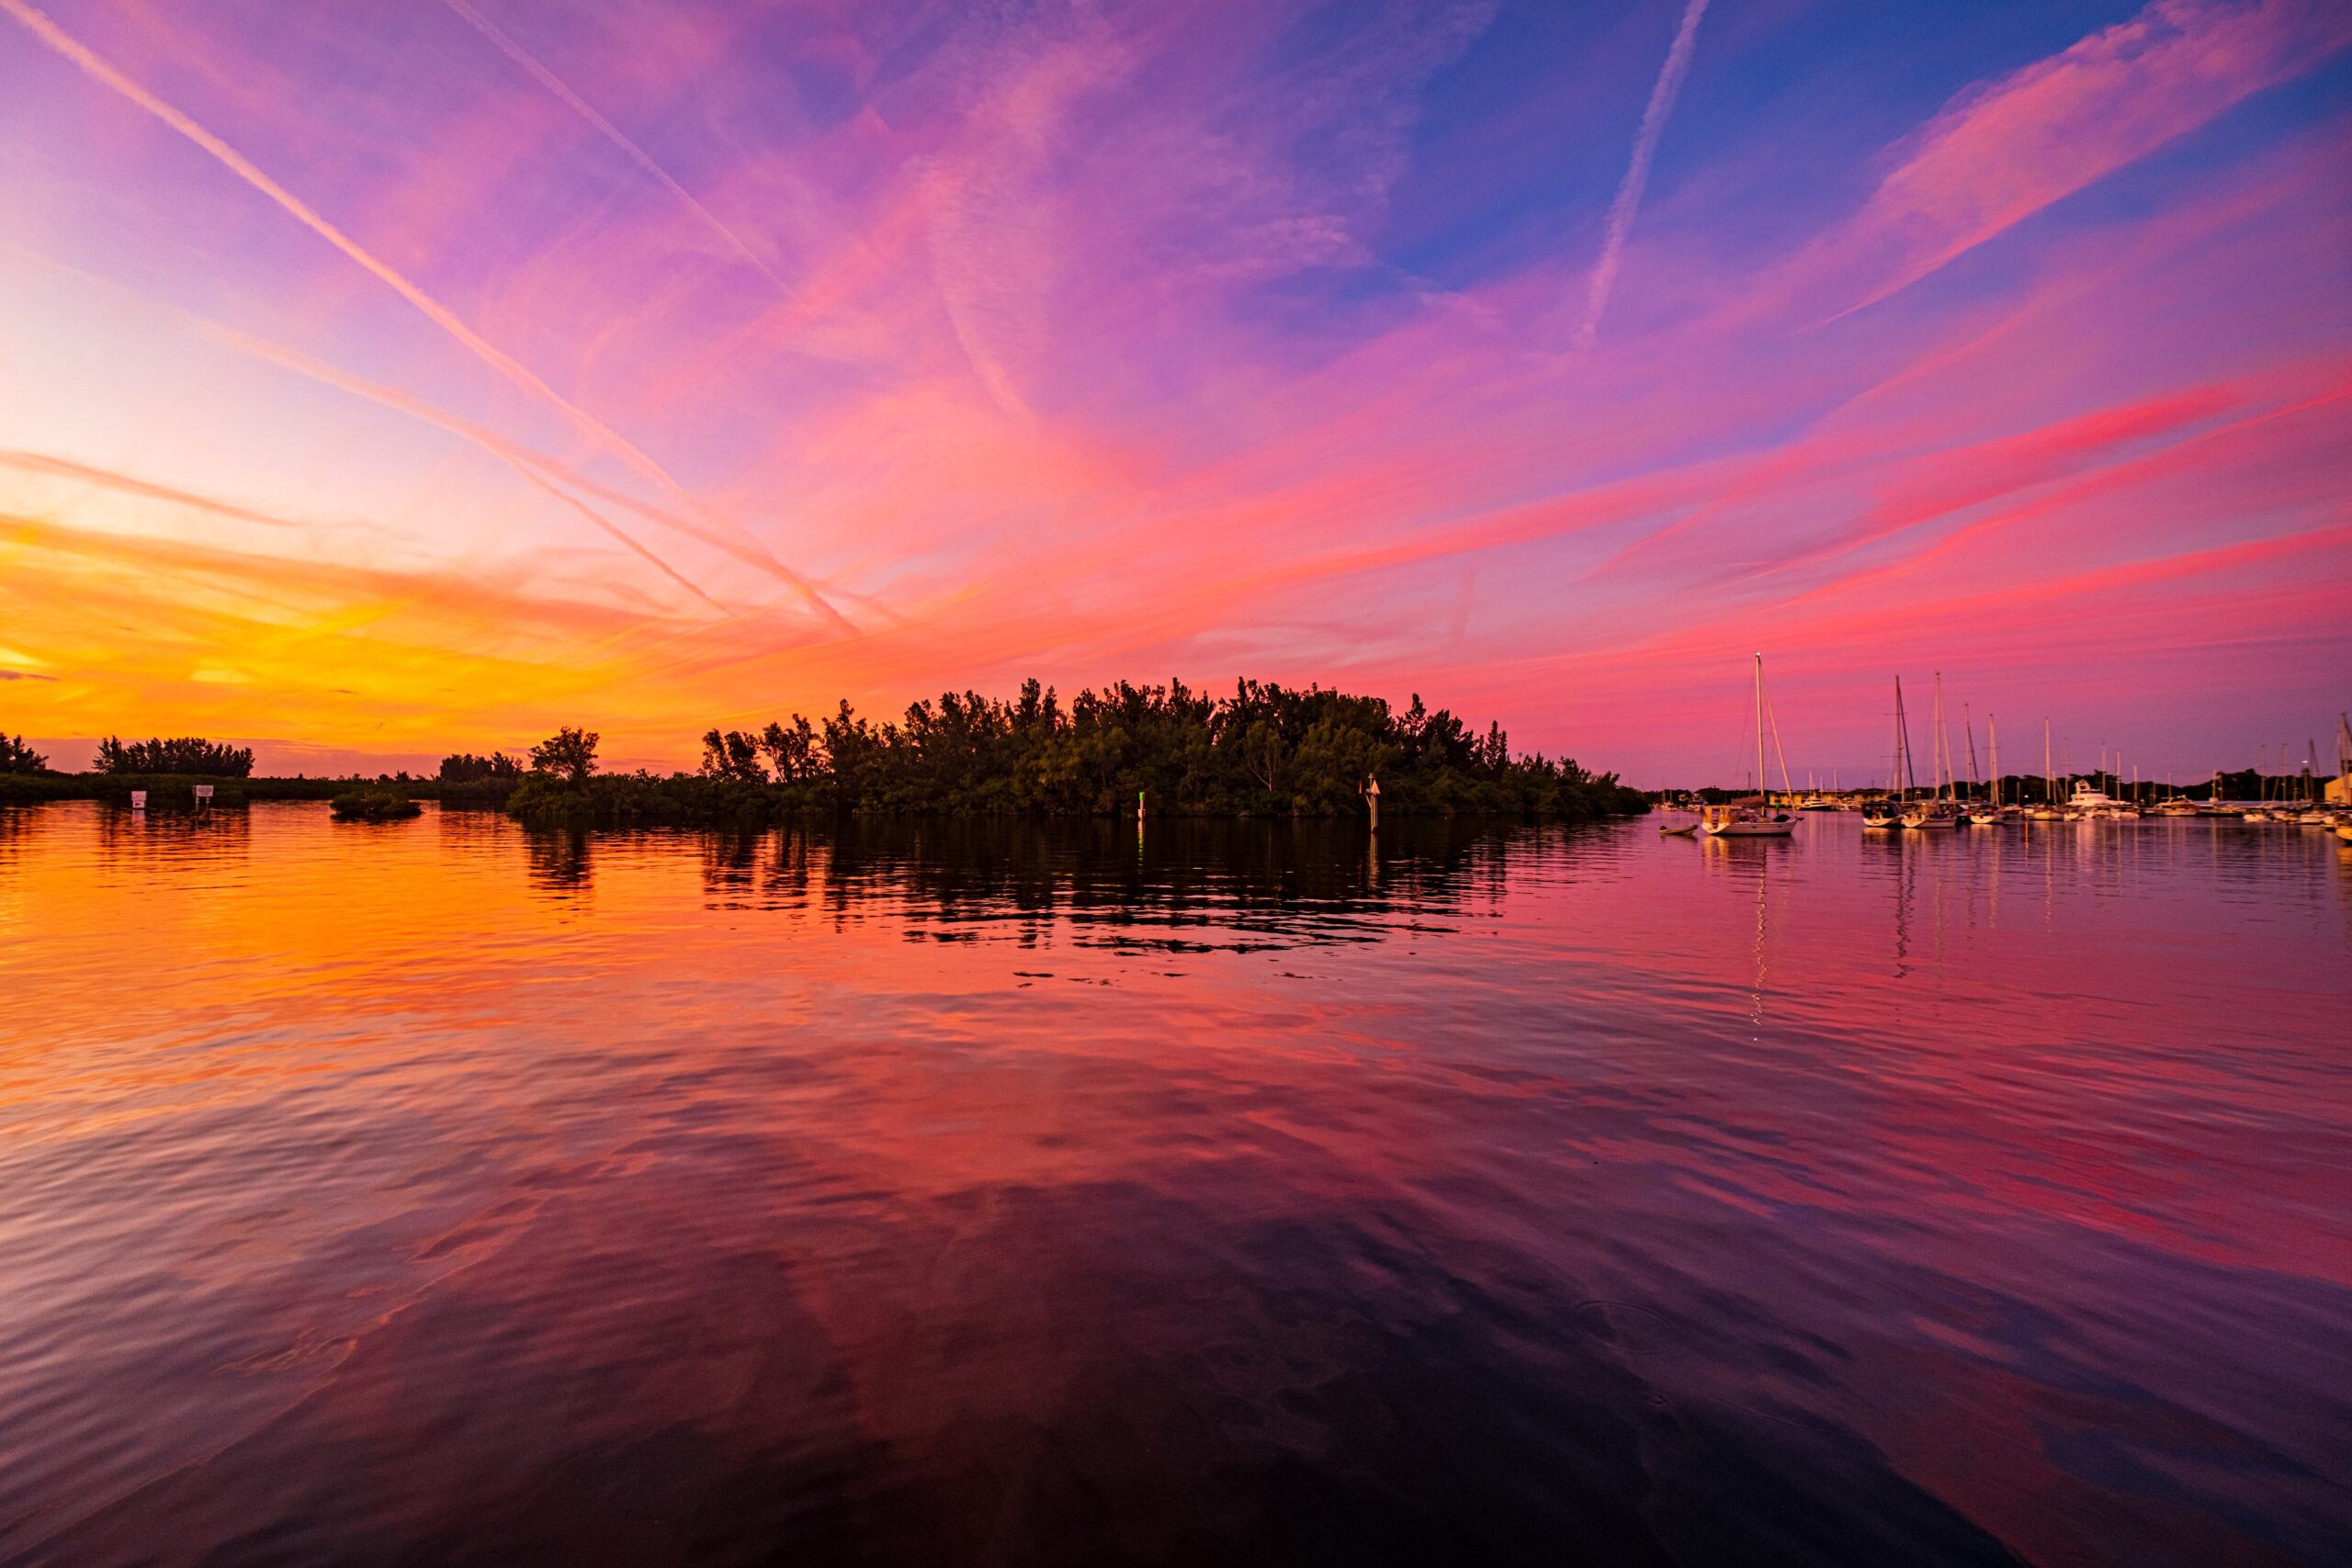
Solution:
(1128, 338)
(2008, 149)
(531, 64)
(40, 25)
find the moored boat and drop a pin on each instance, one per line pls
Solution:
(1942, 810)
(1758, 819)
(1749, 819)
(1989, 813)
(1887, 810)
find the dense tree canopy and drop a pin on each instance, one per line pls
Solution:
(187, 754)
(1264, 750)
(465, 768)
(568, 754)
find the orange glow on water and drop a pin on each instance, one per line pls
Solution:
(443, 1150)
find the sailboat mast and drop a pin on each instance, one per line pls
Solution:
(1895, 763)
(1903, 742)
(2049, 787)
(1993, 738)
(1759, 731)
(1942, 741)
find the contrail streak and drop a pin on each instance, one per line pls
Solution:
(92, 65)
(538, 469)
(614, 134)
(618, 532)
(556, 478)
(128, 484)
(1637, 172)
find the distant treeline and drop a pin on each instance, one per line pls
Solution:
(1263, 750)
(168, 792)
(190, 755)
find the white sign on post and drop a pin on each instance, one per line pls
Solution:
(203, 794)
(139, 800)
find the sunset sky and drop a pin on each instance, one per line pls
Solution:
(399, 375)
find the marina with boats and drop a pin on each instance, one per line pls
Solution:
(1931, 795)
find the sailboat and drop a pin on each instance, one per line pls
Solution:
(2213, 807)
(1757, 821)
(2048, 810)
(1887, 812)
(1942, 810)
(1987, 813)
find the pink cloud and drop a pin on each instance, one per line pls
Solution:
(2006, 150)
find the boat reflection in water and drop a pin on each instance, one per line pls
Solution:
(930, 1192)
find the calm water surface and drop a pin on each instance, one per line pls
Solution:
(930, 1193)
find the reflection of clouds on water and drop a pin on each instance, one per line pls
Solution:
(778, 1186)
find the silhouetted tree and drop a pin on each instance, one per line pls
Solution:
(568, 753)
(464, 767)
(732, 754)
(795, 753)
(16, 757)
(187, 754)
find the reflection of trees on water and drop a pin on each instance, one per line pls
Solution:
(562, 864)
(17, 827)
(1187, 884)
(150, 842)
